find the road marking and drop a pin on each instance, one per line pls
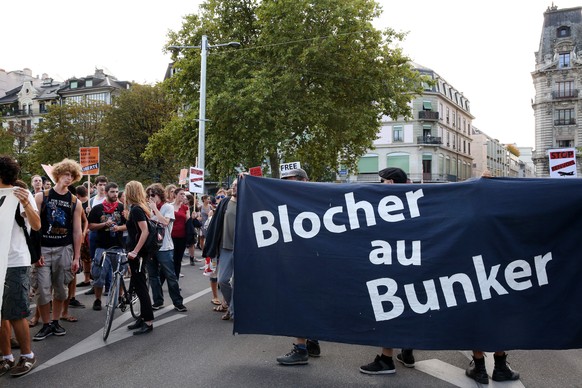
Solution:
(118, 333)
(456, 376)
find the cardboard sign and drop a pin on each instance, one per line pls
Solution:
(183, 179)
(196, 180)
(562, 163)
(48, 169)
(286, 168)
(256, 171)
(89, 160)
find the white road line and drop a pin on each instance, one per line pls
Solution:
(118, 333)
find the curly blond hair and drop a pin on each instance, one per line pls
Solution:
(67, 166)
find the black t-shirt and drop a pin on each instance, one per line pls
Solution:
(105, 237)
(136, 214)
(57, 219)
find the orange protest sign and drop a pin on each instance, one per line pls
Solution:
(89, 160)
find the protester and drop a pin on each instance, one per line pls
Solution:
(303, 348)
(162, 262)
(46, 183)
(107, 220)
(99, 197)
(220, 244)
(36, 183)
(192, 226)
(383, 363)
(61, 245)
(169, 190)
(15, 302)
(181, 215)
(137, 233)
(83, 197)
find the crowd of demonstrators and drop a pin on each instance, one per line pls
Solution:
(15, 302)
(161, 265)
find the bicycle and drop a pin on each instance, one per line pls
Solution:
(128, 298)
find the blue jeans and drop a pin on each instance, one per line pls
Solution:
(163, 261)
(225, 273)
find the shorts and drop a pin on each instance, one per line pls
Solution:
(15, 303)
(54, 273)
(85, 254)
(101, 266)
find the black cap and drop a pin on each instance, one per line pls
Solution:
(395, 174)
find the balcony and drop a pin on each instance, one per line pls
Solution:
(565, 122)
(558, 95)
(428, 140)
(428, 115)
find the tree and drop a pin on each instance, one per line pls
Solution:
(138, 113)
(310, 84)
(64, 129)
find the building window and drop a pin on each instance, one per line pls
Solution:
(564, 60)
(427, 105)
(565, 89)
(565, 117)
(368, 164)
(448, 120)
(399, 160)
(88, 83)
(397, 134)
(564, 143)
(74, 84)
(563, 32)
(426, 130)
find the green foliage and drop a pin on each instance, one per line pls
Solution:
(310, 84)
(139, 113)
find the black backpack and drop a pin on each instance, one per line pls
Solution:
(155, 237)
(32, 239)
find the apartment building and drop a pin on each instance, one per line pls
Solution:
(434, 146)
(557, 79)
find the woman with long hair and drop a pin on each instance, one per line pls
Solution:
(137, 234)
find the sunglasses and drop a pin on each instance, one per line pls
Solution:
(220, 196)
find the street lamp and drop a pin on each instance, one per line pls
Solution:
(202, 115)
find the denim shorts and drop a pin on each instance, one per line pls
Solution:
(15, 299)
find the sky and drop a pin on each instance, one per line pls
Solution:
(485, 49)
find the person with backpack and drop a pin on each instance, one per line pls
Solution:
(61, 238)
(15, 302)
(162, 261)
(137, 235)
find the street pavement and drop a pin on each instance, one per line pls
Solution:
(198, 349)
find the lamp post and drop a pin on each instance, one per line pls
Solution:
(202, 112)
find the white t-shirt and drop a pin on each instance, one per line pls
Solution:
(18, 254)
(167, 211)
(96, 200)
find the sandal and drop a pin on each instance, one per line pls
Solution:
(221, 309)
(32, 322)
(226, 317)
(216, 301)
(69, 318)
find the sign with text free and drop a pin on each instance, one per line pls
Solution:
(89, 160)
(196, 180)
(286, 168)
(562, 163)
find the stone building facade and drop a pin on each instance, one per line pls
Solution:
(557, 80)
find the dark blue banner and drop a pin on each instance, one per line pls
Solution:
(489, 264)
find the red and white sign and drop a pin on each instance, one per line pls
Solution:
(256, 171)
(196, 180)
(562, 163)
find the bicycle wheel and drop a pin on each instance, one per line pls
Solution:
(134, 305)
(112, 302)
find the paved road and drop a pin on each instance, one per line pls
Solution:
(198, 349)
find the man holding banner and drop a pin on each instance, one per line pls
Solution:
(15, 302)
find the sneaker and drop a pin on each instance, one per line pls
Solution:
(5, 366)
(295, 357)
(58, 330)
(97, 305)
(406, 358)
(44, 332)
(313, 348)
(502, 371)
(180, 307)
(192, 261)
(76, 304)
(157, 306)
(380, 366)
(91, 291)
(24, 366)
(477, 371)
